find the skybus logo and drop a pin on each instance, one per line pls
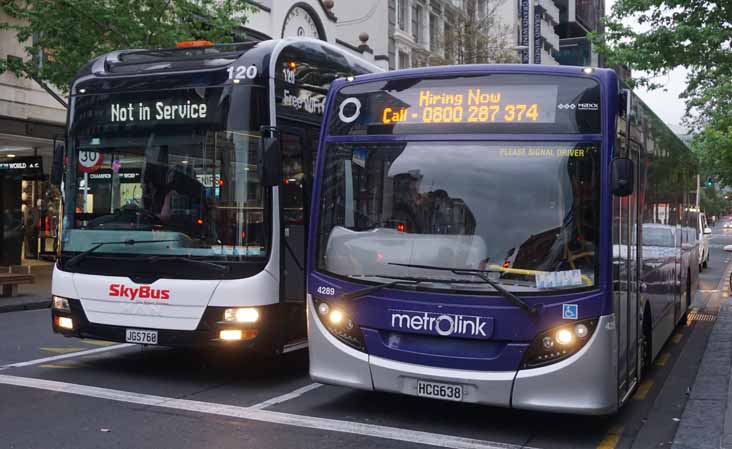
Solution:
(447, 325)
(144, 292)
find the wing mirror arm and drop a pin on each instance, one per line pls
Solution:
(622, 175)
(269, 166)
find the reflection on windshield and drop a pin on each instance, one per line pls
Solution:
(528, 211)
(199, 190)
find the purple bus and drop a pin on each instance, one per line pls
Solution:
(517, 236)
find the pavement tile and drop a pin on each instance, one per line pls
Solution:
(705, 414)
(726, 441)
(710, 387)
(695, 437)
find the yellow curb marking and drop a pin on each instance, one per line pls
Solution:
(58, 365)
(663, 359)
(612, 438)
(643, 390)
(62, 350)
(99, 342)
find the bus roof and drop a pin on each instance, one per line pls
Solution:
(465, 69)
(263, 54)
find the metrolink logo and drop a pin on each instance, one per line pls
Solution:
(144, 292)
(443, 324)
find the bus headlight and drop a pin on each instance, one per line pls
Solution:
(242, 315)
(340, 324)
(61, 304)
(558, 343)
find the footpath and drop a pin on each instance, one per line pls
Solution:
(706, 422)
(31, 296)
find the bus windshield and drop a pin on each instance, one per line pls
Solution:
(173, 171)
(526, 212)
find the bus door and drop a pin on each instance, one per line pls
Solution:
(293, 197)
(625, 283)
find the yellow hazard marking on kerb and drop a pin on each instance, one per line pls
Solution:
(62, 350)
(99, 342)
(677, 338)
(663, 359)
(59, 365)
(643, 390)
(612, 438)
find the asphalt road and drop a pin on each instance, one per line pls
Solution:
(67, 393)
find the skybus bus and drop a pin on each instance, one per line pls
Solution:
(186, 186)
(517, 236)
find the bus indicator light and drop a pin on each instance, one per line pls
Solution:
(400, 227)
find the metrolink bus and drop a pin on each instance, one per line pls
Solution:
(187, 176)
(518, 236)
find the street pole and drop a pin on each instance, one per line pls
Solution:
(698, 186)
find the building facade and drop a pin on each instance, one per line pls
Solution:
(31, 120)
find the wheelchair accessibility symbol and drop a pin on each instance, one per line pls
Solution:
(569, 311)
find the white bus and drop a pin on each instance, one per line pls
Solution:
(186, 180)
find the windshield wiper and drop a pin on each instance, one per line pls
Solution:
(482, 274)
(131, 242)
(410, 281)
(201, 263)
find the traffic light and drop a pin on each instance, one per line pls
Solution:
(710, 182)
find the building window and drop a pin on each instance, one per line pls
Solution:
(403, 60)
(434, 35)
(450, 39)
(402, 14)
(417, 21)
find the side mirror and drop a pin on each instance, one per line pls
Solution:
(707, 230)
(622, 177)
(57, 166)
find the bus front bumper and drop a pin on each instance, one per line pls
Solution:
(207, 333)
(585, 383)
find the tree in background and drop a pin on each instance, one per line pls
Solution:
(696, 35)
(63, 35)
(477, 37)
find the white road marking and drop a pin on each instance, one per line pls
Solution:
(287, 419)
(286, 397)
(65, 356)
(295, 346)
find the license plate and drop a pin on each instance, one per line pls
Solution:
(439, 390)
(141, 336)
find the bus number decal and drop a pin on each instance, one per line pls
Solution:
(242, 72)
(328, 291)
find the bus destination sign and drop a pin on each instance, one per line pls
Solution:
(492, 103)
(496, 104)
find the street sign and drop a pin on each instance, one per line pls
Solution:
(90, 161)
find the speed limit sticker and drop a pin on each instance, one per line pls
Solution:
(90, 161)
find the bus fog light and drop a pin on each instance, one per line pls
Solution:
(242, 315)
(232, 334)
(61, 304)
(323, 308)
(581, 331)
(564, 337)
(65, 323)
